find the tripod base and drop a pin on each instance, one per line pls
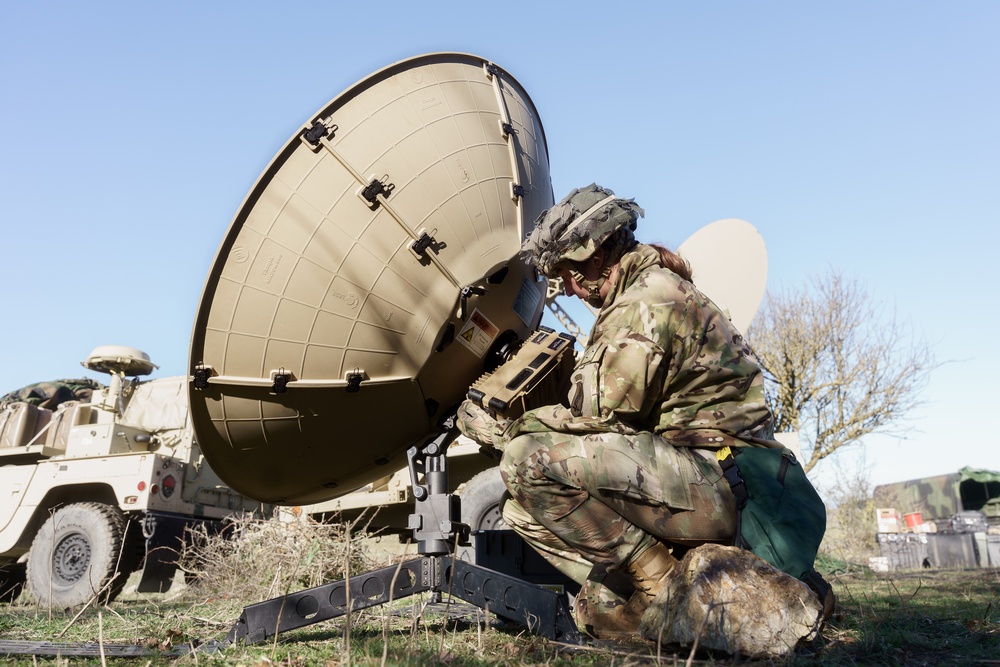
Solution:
(541, 610)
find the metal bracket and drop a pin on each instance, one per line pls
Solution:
(321, 127)
(279, 381)
(201, 375)
(377, 186)
(426, 241)
(421, 245)
(517, 191)
(354, 380)
(468, 291)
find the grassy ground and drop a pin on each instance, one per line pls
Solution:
(904, 619)
(921, 618)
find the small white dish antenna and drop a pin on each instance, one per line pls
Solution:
(119, 359)
(729, 264)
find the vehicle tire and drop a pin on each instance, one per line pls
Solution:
(11, 581)
(79, 553)
(481, 498)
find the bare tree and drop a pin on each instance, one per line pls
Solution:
(837, 366)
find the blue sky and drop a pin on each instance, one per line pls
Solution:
(855, 136)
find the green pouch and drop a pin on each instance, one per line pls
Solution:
(779, 515)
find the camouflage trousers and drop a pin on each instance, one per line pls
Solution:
(590, 502)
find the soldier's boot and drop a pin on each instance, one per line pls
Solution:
(645, 576)
(649, 572)
(601, 605)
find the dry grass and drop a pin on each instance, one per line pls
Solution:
(252, 559)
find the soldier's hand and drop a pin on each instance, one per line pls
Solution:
(478, 424)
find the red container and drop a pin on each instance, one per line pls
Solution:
(913, 519)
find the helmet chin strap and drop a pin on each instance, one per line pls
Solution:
(593, 287)
(610, 259)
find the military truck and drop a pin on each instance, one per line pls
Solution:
(950, 520)
(97, 484)
(942, 498)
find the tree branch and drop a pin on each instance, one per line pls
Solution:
(836, 366)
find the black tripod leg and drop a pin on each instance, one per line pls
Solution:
(541, 610)
(260, 621)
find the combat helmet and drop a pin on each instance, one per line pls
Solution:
(574, 229)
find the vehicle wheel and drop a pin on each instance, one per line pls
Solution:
(78, 554)
(481, 498)
(11, 582)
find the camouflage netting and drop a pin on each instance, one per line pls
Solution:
(51, 394)
(940, 497)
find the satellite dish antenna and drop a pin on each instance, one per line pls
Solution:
(369, 278)
(729, 265)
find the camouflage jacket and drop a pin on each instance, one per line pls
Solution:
(664, 358)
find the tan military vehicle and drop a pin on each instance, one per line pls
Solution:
(93, 490)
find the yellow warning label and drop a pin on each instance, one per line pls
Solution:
(478, 333)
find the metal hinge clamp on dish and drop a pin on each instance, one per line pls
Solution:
(321, 127)
(376, 188)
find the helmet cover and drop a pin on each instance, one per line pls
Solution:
(575, 228)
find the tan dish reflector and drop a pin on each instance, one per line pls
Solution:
(368, 278)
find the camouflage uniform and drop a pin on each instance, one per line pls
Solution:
(629, 459)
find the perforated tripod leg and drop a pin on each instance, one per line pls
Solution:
(264, 620)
